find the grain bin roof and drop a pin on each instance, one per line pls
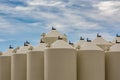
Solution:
(61, 44)
(100, 41)
(24, 49)
(54, 33)
(40, 47)
(115, 48)
(9, 52)
(89, 46)
(80, 43)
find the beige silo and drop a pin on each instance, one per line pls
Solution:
(19, 66)
(35, 63)
(112, 63)
(52, 36)
(5, 64)
(91, 62)
(60, 62)
(102, 43)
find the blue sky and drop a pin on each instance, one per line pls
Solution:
(22, 20)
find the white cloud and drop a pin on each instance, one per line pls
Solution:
(45, 3)
(21, 8)
(6, 26)
(109, 8)
(2, 40)
(13, 27)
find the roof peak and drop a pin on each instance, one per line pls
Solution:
(53, 28)
(117, 42)
(88, 40)
(81, 38)
(10, 47)
(115, 48)
(27, 42)
(41, 41)
(117, 35)
(98, 35)
(71, 43)
(60, 38)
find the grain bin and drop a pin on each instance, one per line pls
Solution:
(35, 63)
(52, 36)
(60, 62)
(102, 43)
(19, 63)
(5, 64)
(112, 62)
(91, 62)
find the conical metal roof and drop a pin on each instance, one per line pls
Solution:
(115, 48)
(52, 36)
(40, 47)
(61, 44)
(100, 41)
(89, 46)
(54, 33)
(79, 43)
(9, 52)
(25, 49)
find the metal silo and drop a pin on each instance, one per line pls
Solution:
(60, 62)
(19, 63)
(91, 62)
(35, 63)
(52, 36)
(5, 64)
(112, 62)
(102, 43)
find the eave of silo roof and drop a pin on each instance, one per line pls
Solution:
(9, 52)
(115, 48)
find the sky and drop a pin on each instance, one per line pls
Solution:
(22, 20)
